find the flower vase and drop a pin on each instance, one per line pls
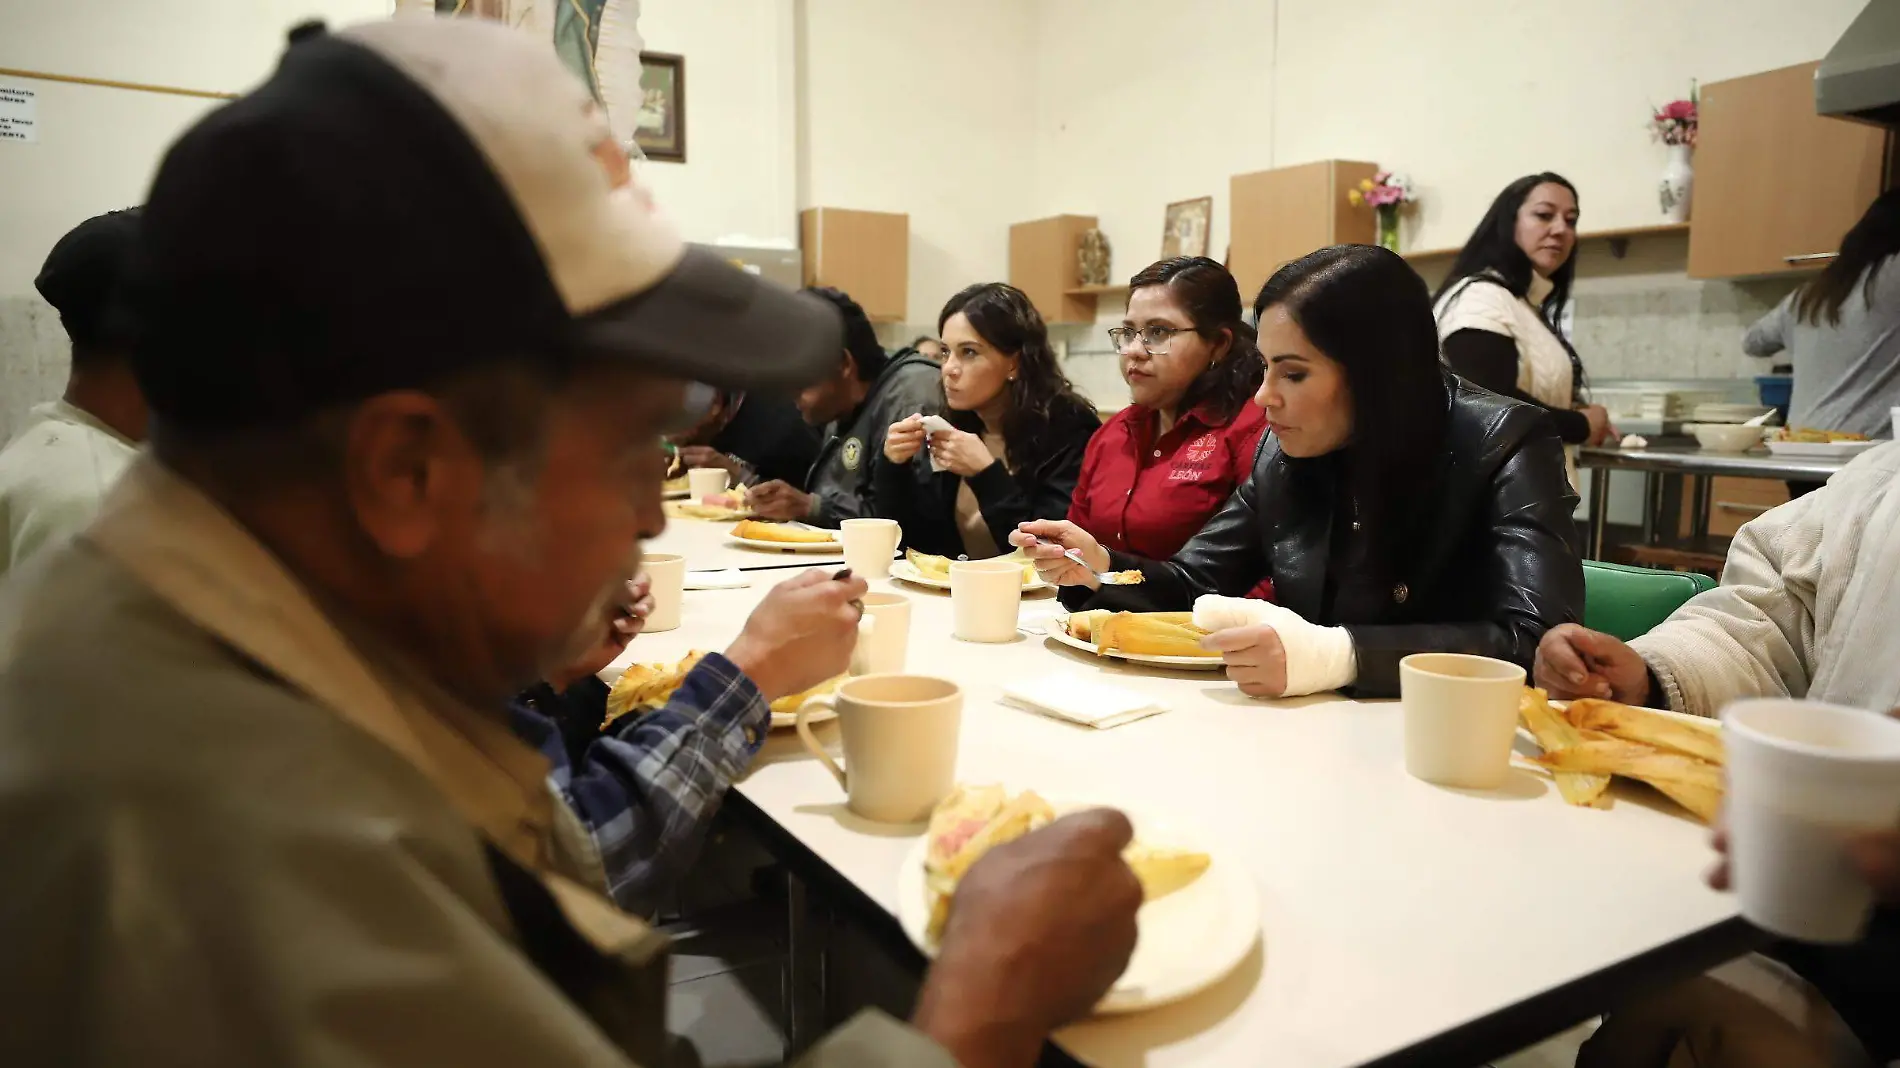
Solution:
(1389, 226)
(1678, 182)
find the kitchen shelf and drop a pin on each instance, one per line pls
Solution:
(1618, 239)
(1095, 291)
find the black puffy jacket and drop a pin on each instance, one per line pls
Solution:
(1497, 565)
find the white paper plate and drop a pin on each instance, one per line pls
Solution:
(833, 546)
(907, 572)
(1058, 630)
(1820, 450)
(1187, 941)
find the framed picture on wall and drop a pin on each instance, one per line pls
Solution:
(1184, 232)
(660, 128)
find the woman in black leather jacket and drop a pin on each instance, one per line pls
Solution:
(1397, 508)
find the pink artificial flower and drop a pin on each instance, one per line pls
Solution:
(1679, 109)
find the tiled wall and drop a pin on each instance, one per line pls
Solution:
(33, 359)
(1635, 317)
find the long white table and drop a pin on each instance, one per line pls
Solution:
(708, 546)
(1402, 923)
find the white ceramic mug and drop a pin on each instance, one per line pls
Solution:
(704, 482)
(984, 597)
(869, 545)
(668, 573)
(900, 743)
(1804, 776)
(1460, 717)
(883, 635)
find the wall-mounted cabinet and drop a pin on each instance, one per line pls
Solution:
(1285, 213)
(1775, 184)
(1043, 264)
(864, 253)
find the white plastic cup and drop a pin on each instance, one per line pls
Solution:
(668, 573)
(704, 482)
(1803, 777)
(1460, 718)
(984, 597)
(883, 635)
(869, 545)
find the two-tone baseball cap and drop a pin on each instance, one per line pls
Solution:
(407, 200)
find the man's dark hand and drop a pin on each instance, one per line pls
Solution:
(801, 634)
(778, 499)
(707, 456)
(1574, 662)
(1039, 930)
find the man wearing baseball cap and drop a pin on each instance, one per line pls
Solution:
(410, 339)
(53, 473)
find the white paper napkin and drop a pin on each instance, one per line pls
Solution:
(935, 424)
(1081, 699)
(729, 579)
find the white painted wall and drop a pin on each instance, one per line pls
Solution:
(1466, 96)
(926, 108)
(740, 174)
(98, 147)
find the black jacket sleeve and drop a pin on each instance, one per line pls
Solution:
(1532, 579)
(1490, 360)
(1007, 500)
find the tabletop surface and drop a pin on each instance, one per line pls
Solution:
(1392, 910)
(708, 546)
(1692, 459)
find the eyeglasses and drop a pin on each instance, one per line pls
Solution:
(1154, 339)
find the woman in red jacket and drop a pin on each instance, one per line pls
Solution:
(1157, 470)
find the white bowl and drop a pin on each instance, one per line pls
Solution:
(1726, 437)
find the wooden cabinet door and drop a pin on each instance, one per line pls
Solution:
(1285, 213)
(1775, 182)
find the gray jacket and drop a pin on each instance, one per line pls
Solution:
(842, 480)
(1847, 374)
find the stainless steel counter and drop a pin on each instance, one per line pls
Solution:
(1670, 462)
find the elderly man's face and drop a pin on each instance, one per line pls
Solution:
(505, 575)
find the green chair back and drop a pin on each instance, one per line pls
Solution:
(1626, 602)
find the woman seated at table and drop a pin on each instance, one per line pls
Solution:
(1498, 308)
(1020, 431)
(1160, 467)
(1396, 508)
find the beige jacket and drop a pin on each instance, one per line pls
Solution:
(231, 837)
(1809, 604)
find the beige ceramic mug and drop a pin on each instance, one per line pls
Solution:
(984, 597)
(869, 545)
(900, 743)
(704, 482)
(668, 573)
(883, 635)
(1460, 717)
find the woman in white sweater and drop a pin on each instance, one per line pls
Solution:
(1497, 310)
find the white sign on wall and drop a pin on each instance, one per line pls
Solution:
(19, 114)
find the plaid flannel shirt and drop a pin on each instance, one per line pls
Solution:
(648, 787)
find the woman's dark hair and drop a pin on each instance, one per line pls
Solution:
(1493, 247)
(860, 340)
(1368, 311)
(1863, 251)
(1041, 395)
(1212, 299)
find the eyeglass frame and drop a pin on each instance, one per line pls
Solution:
(1136, 335)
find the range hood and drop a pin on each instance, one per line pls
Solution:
(1860, 78)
